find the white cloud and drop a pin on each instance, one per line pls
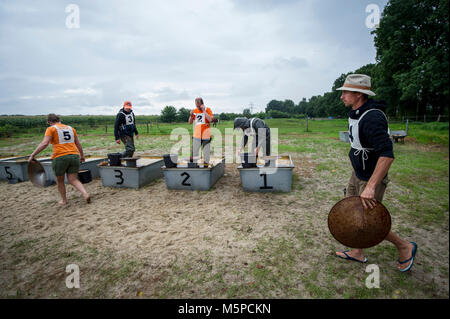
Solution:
(158, 53)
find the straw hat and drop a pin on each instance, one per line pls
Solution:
(357, 83)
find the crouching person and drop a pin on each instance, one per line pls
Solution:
(67, 155)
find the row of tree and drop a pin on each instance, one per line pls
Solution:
(411, 72)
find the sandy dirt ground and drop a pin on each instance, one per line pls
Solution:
(160, 227)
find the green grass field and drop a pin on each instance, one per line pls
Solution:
(295, 262)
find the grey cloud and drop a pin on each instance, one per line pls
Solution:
(155, 53)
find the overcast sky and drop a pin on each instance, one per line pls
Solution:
(156, 53)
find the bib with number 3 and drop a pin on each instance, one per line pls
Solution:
(199, 118)
(65, 135)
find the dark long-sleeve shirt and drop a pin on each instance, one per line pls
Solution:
(257, 124)
(120, 127)
(373, 133)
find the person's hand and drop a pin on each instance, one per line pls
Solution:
(118, 141)
(82, 159)
(202, 108)
(256, 151)
(137, 136)
(368, 197)
(192, 113)
(31, 158)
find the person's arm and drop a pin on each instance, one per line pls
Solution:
(191, 117)
(116, 127)
(135, 127)
(43, 145)
(244, 142)
(375, 128)
(381, 169)
(80, 149)
(208, 114)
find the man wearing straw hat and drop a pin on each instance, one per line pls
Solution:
(371, 155)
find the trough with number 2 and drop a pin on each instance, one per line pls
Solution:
(202, 178)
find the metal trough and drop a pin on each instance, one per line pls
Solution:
(147, 169)
(343, 136)
(90, 164)
(202, 178)
(14, 169)
(398, 135)
(275, 178)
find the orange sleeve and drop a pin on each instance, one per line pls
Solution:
(48, 131)
(208, 110)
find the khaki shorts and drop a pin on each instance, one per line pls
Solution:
(69, 164)
(356, 186)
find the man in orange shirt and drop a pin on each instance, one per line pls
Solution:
(202, 117)
(66, 157)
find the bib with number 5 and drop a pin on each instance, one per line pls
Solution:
(65, 135)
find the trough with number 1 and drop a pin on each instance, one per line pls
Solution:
(275, 178)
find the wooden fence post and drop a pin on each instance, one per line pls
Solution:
(307, 123)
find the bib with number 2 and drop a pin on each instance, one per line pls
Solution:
(199, 118)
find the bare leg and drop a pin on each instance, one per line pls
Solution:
(61, 189)
(404, 248)
(74, 181)
(355, 253)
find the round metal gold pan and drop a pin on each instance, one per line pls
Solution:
(36, 174)
(356, 227)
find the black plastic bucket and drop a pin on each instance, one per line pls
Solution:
(114, 159)
(170, 160)
(85, 176)
(247, 160)
(131, 162)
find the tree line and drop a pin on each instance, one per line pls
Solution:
(411, 72)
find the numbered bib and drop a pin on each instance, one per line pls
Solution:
(199, 118)
(65, 135)
(129, 118)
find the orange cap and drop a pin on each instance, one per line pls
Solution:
(127, 103)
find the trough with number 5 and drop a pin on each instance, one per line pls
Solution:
(275, 178)
(202, 178)
(147, 169)
(14, 169)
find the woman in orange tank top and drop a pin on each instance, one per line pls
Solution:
(66, 157)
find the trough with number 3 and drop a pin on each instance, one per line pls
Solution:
(147, 169)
